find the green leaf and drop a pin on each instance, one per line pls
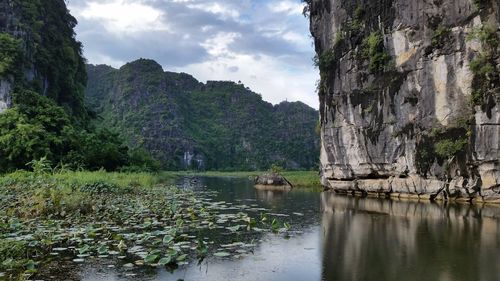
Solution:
(167, 239)
(165, 261)
(151, 258)
(181, 258)
(234, 228)
(102, 250)
(222, 254)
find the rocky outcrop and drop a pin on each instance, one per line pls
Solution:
(272, 181)
(5, 98)
(409, 96)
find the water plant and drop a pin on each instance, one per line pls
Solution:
(54, 217)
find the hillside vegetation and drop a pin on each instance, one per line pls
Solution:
(190, 125)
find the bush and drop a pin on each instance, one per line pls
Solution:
(476, 97)
(448, 148)
(325, 61)
(482, 66)
(37, 129)
(486, 34)
(9, 53)
(276, 169)
(441, 34)
(373, 49)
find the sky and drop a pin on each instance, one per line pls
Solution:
(265, 44)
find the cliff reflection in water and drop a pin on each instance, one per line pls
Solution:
(374, 239)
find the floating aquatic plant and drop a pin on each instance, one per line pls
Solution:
(136, 227)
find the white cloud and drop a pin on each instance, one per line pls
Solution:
(287, 6)
(103, 59)
(217, 9)
(119, 16)
(218, 45)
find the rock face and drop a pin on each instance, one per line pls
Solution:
(270, 180)
(5, 99)
(409, 96)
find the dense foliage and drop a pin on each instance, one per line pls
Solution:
(43, 62)
(38, 128)
(52, 61)
(9, 53)
(187, 124)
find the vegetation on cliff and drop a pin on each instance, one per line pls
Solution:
(190, 125)
(43, 64)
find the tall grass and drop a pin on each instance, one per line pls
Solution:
(297, 178)
(119, 179)
(68, 178)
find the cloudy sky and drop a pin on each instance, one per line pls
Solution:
(263, 43)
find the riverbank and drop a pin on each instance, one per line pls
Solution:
(301, 179)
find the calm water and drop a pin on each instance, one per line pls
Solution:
(345, 238)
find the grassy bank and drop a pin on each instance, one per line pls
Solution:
(297, 178)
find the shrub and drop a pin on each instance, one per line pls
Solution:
(373, 49)
(482, 66)
(38, 129)
(476, 97)
(9, 53)
(441, 34)
(486, 34)
(276, 169)
(325, 61)
(448, 148)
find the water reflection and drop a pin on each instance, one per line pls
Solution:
(343, 238)
(377, 239)
(271, 196)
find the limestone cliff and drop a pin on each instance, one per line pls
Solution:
(39, 52)
(186, 124)
(409, 96)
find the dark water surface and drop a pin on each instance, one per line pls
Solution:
(345, 238)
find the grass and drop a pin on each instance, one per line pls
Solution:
(119, 179)
(297, 178)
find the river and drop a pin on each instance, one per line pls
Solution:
(345, 238)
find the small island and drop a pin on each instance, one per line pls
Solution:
(272, 181)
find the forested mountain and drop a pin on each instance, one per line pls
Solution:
(42, 82)
(187, 124)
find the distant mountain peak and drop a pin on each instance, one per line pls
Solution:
(144, 66)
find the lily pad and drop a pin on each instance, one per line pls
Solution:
(164, 261)
(59, 249)
(181, 258)
(151, 258)
(167, 239)
(222, 254)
